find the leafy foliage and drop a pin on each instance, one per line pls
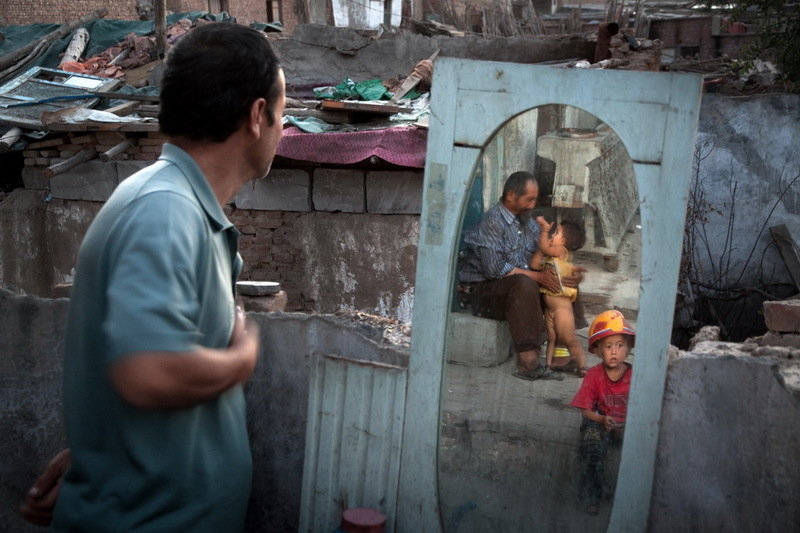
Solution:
(778, 26)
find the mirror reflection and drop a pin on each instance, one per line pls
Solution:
(532, 412)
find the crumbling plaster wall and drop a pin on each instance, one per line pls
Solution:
(320, 55)
(748, 144)
(726, 458)
(31, 418)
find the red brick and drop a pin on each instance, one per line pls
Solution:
(783, 316)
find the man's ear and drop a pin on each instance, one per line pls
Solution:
(258, 116)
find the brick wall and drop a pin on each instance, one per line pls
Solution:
(333, 237)
(20, 12)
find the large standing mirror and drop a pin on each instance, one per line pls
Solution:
(513, 468)
(509, 457)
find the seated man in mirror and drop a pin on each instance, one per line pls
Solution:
(498, 280)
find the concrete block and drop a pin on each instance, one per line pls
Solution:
(392, 192)
(476, 341)
(783, 316)
(281, 190)
(126, 169)
(34, 178)
(339, 190)
(93, 181)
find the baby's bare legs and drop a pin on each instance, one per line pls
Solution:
(564, 323)
(552, 338)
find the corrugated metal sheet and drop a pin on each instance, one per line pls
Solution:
(353, 440)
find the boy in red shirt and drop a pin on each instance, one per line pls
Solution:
(603, 400)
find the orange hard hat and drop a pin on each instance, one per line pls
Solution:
(609, 323)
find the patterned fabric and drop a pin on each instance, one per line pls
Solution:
(500, 242)
(403, 145)
(562, 267)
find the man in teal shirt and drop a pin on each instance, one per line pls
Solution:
(156, 352)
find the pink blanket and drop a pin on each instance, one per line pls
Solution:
(402, 145)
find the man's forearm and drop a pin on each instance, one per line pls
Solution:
(170, 380)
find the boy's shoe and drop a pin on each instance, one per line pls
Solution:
(540, 372)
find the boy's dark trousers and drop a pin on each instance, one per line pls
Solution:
(593, 450)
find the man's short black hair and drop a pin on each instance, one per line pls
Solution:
(213, 76)
(517, 182)
(574, 235)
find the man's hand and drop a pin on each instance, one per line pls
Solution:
(545, 278)
(575, 278)
(41, 498)
(174, 380)
(245, 341)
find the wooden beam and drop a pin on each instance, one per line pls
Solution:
(113, 152)
(84, 155)
(76, 46)
(123, 110)
(160, 26)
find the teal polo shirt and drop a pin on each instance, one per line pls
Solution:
(156, 271)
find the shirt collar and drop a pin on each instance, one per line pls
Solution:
(508, 216)
(202, 190)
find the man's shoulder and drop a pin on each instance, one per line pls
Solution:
(160, 183)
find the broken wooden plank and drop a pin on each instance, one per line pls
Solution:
(364, 107)
(116, 150)
(105, 126)
(413, 79)
(123, 110)
(148, 110)
(84, 155)
(788, 249)
(46, 144)
(126, 96)
(331, 117)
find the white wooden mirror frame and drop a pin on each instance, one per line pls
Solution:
(655, 116)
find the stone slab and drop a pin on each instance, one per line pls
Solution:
(92, 181)
(339, 190)
(34, 178)
(476, 341)
(727, 452)
(281, 190)
(394, 192)
(783, 316)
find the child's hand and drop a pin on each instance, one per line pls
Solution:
(543, 224)
(609, 423)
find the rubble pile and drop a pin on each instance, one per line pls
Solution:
(134, 51)
(781, 342)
